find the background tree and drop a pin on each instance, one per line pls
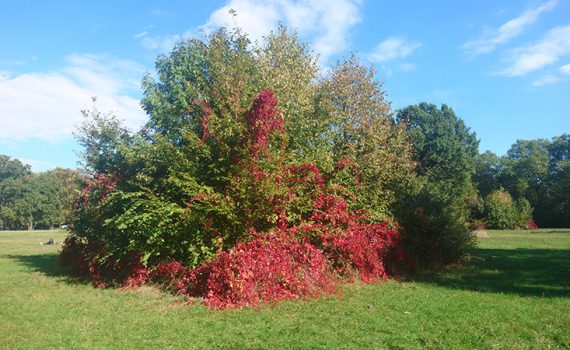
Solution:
(443, 147)
(533, 171)
(35, 200)
(12, 168)
(488, 171)
(435, 214)
(557, 206)
(12, 175)
(529, 170)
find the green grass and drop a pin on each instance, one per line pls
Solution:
(513, 294)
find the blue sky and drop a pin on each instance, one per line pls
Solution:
(503, 65)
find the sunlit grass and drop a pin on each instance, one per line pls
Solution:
(514, 293)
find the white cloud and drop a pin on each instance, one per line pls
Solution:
(392, 49)
(548, 50)
(565, 69)
(257, 18)
(546, 80)
(162, 43)
(509, 30)
(325, 22)
(46, 106)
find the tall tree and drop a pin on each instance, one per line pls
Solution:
(434, 216)
(444, 148)
(361, 128)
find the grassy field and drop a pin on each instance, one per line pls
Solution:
(513, 294)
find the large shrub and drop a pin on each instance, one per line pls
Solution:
(250, 159)
(434, 227)
(434, 212)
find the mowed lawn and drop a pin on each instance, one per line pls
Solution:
(514, 293)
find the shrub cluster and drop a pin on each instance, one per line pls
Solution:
(295, 234)
(255, 180)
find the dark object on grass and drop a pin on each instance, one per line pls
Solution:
(49, 242)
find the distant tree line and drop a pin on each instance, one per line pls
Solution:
(526, 188)
(35, 200)
(533, 178)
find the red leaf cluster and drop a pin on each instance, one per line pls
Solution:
(263, 118)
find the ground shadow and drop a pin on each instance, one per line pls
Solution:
(525, 272)
(47, 264)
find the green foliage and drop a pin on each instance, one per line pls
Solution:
(434, 226)
(12, 168)
(29, 200)
(361, 129)
(102, 136)
(528, 169)
(501, 212)
(534, 171)
(443, 146)
(435, 212)
(241, 138)
(486, 178)
(557, 205)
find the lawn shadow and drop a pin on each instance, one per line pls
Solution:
(47, 264)
(525, 272)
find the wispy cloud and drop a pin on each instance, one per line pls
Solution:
(490, 40)
(554, 45)
(162, 43)
(392, 49)
(546, 80)
(565, 69)
(46, 106)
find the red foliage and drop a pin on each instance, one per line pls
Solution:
(263, 118)
(100, 186)
(531, 225)
(269, 268)
(305, 174)
(173, 276)
(352, 242)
